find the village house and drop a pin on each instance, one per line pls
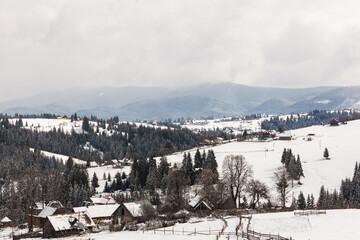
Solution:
(200, 204)
(66, 224)
(100, 200)
(334, 122)
(228, 203)
(5, 222)
(53, 207)
(102, 214)
(133, 211)
(284, 136)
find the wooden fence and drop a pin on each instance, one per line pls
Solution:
(252, 235)
(309, 212)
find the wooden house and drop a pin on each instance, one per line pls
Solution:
(334, 122)
(200, 204)
(102, 214)
(284, 136)
(53, 207)
(66, 224)
(6, 222)
(133, 211)
(100, 200)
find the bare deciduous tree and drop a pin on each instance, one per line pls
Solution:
(236, 172)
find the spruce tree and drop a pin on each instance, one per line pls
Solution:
(321, 203)
(301, 203)
(197, 159)
(326, 153)
(94, 181)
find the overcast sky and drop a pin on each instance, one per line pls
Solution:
(60, 44)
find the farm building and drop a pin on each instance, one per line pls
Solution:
(66, 224)
(100, 200)
(200, 204)
(53, 207)
(334, 122)
(5, 221)
(133, 211)
(106, 214)
(284, 136)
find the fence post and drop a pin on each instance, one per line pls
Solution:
(164, 231)
(154, 231)
(195, 231)
(183, 231)
(209, 231)
(173, 230)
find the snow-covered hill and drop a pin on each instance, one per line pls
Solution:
(342, 142)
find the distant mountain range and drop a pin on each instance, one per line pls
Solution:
(204, 100)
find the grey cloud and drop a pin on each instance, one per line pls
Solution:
(61, 44)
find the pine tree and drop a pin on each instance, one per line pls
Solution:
(197, 159)
(321, 203)
(326, 153)
(299, 169)
(94, 181)
(301, 203)
(109, 177)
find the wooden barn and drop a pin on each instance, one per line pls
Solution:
(6, 222)
(133, 211)
(200, 204)
(53, 207)
(102, 214)
(67, 224)
(334, 122)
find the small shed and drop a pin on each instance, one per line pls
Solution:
(334, 122)
(6, 221)
(133, 211)
(200, 204)
(66, 224)
(107, 214)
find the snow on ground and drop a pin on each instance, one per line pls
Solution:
(342, 142)
(106, 169)
(46, 125)
(335, 224)
(62, 158)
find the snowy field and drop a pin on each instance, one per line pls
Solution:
(334, 225)
(342, 142)
(107, 170)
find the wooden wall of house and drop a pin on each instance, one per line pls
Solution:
(125, 215)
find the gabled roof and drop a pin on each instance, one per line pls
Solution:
(5, 220)
(47, 211)
(195, 201)
(135, 207)
(102, 200)
(63, 221)
(97, 211)
(198, 200)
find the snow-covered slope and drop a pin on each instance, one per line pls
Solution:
(342, 142)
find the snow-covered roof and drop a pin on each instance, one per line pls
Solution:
(195, 201)
(103, 200)
(47, 211)
(97, 211)
(63, 221)
(5, 220)
(135, 207)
